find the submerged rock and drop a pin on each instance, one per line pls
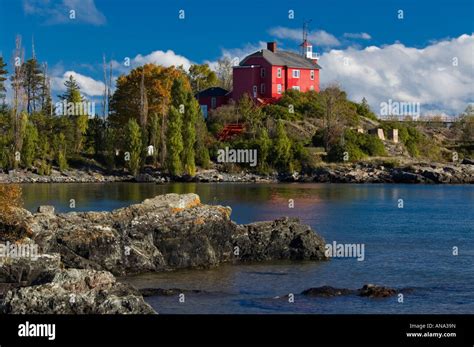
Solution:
(76, 291)
(167, 291)
(327, 291)
(373, 291)
(368, 290)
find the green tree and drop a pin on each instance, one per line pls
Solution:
(32, 81)
(264, 144)
(77, 116)
(192, 112)
(201, 77)
(60, 148)
(134, 146)
(3, 78)
(154, 132)
(281, 148)
(30, 143)
(202, 152)
(174, 142)
(251, 114)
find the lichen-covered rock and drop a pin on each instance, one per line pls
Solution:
(169, 232)
(76, 291)
(284, 238)
(25, 271)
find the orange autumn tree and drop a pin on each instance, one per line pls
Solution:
(153, 80)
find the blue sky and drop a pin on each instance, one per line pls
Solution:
(147, 30)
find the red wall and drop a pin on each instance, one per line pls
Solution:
(245, 78)
(220, 100)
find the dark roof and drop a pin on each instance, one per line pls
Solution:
(284, 58)
(212, 91)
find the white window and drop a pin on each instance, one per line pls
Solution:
(262, 72)
(279, 88)
(311, 87)
(255, 91)
(279, 72)
(296, 88)
(296, 73)
(311, 75)
(213, 102)
(262, 88)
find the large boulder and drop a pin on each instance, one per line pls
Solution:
(284, 238)
(76, 291)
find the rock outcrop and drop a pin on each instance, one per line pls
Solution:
(437, 173)
(165, 233)
(76, 291)
(79, 253)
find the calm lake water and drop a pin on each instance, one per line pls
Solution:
(404, 247)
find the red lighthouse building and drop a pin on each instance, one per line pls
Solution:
(266, 74)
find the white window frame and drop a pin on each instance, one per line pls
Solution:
(279, 72)
(311, 75)
(262, 72)
(262, 88)
(296, 88)
(279, 88)
(295, 73)
(311, 87)
(255, 90)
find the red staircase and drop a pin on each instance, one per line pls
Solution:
(230, 130)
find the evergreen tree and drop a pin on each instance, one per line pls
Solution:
(174, 142)
(46, 102)
(32, 81)
(264, 144)
(30, 143)
(154, 132)
(60, 147)
(3, 78)
(282, 148)
(179, 94)
(192, 112)
(77, 115)
(134, 146)
(202, 152)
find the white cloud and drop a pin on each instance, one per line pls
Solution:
(317, 38)
(58, 11)
(362, 36)
(407, 74)
(88, 85)
(167, 58)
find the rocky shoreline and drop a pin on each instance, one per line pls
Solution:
(366, 172)
(80, 253)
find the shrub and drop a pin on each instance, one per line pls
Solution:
(11, 227)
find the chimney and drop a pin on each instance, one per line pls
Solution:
(272, 46)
